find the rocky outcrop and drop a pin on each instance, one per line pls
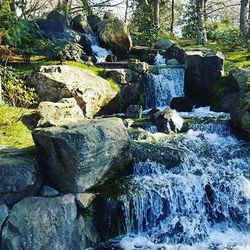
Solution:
(114, 35)
(65, 111)
(134, 111)
(168, 121)
(90, 91)
(165, 154)
(163, 44)
(240, 112)
(80, 156)
(71, 52)
(182, 104)
(19, 176)
(80, 24)
(202, 73)
(44, 223)
(4, 212)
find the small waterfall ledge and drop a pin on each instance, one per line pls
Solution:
(164, 83)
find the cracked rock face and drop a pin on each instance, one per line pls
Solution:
(44, 223)
(91, 92)
(19, 176)
(79, 156)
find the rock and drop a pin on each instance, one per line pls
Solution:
(59, 16)
(90, 91)
(4, 212)
(134, 111)
(84, 199)
(240, 79)
(86, 44)
(132, 94)
(80, 156)
(163, 44)
(114, 35)
(43, 223)
(122, 76)
(19, 175)
(109, 15)
(226, 104)
(168, 121)
(182, 104)
(47, 191)
(202, 74)
(111, 58)
(89, 59)
(58, 32)
(80, 24)
(139, 67)
(165, 154)
(173, 62)
(65, 111)
(71, 52)
(240, 116)
(93, 21)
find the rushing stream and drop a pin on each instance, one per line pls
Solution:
(202, 203)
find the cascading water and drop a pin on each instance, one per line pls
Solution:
(99, 52)
(202, 203)
(163, 86)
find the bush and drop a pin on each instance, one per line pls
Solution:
(230, 39)
(15, 91)
(23, 35)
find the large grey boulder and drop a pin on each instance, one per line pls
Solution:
(114, 35)
(90, 91)
(79, 156)
(38, 223)
(4, 212)
(80, 24)
(202, 73)
(59, 113)
(19, 176)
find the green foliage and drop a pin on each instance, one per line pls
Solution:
(143, 28)
(230, 39)
(21, 34)
(15, 91)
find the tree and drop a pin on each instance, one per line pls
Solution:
(172, 16)
(201, 29)
(157, 13)
(243, 17)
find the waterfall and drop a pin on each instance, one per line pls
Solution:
(99, 52)
(159, 59)
(163, 86)
(202, 203)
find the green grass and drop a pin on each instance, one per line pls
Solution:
(13, 131)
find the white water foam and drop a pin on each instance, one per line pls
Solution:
(99, 52)
(159, 59)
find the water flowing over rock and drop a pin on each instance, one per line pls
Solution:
(163, 85)
(201, 202)
(44, 223)
(20, 175)
(90, 91)
(168, 121)
(80, 156)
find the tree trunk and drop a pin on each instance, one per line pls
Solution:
(126, 11)
(201, 29)
(6, 5)
(243, 18)
(157, 13)
(172, 17)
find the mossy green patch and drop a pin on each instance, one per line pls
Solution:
(13, 131)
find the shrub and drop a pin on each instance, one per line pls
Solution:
(230, 39)
(15, 91)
